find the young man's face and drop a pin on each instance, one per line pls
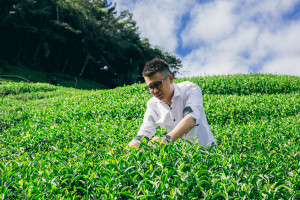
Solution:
(161, 85)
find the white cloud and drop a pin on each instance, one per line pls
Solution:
(212, 62)
(289, 65)
(265, 9)
(260, 41)
(209, 23)
(284, 40)
(225, 36)
(158, 20)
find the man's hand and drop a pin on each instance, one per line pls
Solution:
(133, 143)
(163, 141)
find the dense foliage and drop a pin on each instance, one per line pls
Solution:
(61, 143)
(79, 37)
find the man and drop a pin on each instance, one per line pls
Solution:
(176, 107)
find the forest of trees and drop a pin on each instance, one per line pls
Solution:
(84, 38)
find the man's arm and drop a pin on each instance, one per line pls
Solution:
(191, 112)
(182, 128)
(147, 129)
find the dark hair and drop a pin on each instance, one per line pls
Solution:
(155, 65)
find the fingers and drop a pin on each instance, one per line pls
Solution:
(157, 138)
(162, 140)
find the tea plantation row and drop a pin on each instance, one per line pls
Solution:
(63, 143)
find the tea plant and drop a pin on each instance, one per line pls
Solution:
(63, 143)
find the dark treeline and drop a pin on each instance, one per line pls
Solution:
(84, 38)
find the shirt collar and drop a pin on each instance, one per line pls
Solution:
(176, 94)
(176, 91)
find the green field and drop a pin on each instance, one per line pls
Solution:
(64, 143)
(16, 74)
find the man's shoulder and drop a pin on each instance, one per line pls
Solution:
(151, 102)
(186, 85)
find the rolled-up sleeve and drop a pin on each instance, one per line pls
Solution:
(194, 103)
(148, 126)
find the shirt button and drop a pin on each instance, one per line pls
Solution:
(174, 120)
(171, 108)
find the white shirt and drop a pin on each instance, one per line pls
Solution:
(187, 97)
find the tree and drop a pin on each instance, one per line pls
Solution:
(79, 37)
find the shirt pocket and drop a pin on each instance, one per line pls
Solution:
(164, 120)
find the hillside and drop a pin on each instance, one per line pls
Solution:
(17, 74)
(58, 142)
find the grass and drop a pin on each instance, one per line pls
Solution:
(17, 74)
(65, 143)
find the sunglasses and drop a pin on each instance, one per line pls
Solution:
(156, 85)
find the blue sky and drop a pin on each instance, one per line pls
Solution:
(223, 36)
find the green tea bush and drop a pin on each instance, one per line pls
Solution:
(247, 84)
(62, 143)
(16, 88)
(224, 109)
